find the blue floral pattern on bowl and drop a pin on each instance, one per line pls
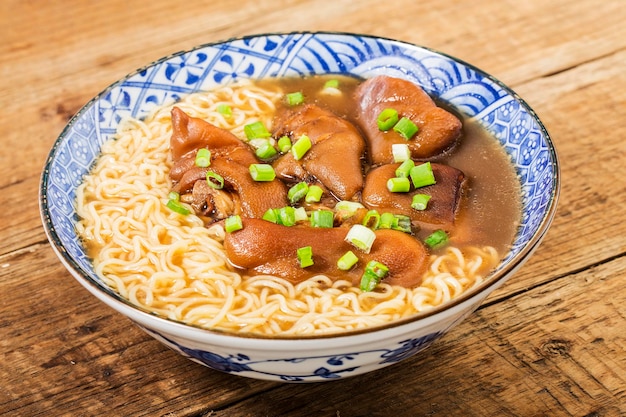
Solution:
(319, 367)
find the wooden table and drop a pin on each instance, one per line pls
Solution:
(550, 342)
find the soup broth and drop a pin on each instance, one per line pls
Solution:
(491, 207)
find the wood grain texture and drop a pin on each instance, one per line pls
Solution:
(549, 342)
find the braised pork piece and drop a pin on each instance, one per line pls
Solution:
(336, 157)
(268, 248)
(444, 195)
(439, 130)
(231, 159)
(346, 164)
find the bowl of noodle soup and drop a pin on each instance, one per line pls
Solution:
(106, 184)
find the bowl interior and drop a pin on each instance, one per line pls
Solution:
(466, 88)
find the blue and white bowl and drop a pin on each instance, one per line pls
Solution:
(307, 359)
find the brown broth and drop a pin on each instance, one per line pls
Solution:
(490, 211)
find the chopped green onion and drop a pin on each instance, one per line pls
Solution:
(406, 128)
(386, 220)
(301, 147)
(400, 152)
(401, 223)
(271, 215)
(256, 130)
(305, 256)
(297, 192)
(420, 201)
(177, 207)
(225, 110)
(262, 172)
(314, 194)
(373, 274)
(293, 99)
(284, 144)
(398, 185)
(174, 204)
(300, 214)
(347, 209)
(286, 216)
(436, 239)
(331, 84)
(347, 261)
(404, 170)
(387, 119)
(322, 218)
(233, 223)
(361, 237)
(214, 180)
(203, 158)
(422, 175)
(266, 151)
(371, 219)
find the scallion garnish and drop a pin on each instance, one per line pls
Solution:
(404, 170)
(286, 216)
(361, 237)
(371, 219)
(347, 261)
(214, 180)
(402, 223)
(256, 130)
(322, 218)
(420, 201)
(301, 147)
(293, 99)
(406, 128)
(284, 144)
(270, 215)
(345, 208)
(233, 223)
(297, 192)
(436, 239)
(373, 274)
(305, 256)
(386, 220)
(400, 152)
(422, 175)
(265, 150)
(398, 185)
(262, 172)
(314, 195)
(177, 207)
(331, 83)
(300, 214)
(225, 110)
(387, 119)
(174, 204)
(203, 158)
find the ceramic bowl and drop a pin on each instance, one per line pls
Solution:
(464, 87)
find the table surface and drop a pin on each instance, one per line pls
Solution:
(551, 341)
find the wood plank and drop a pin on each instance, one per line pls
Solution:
(549, 342)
